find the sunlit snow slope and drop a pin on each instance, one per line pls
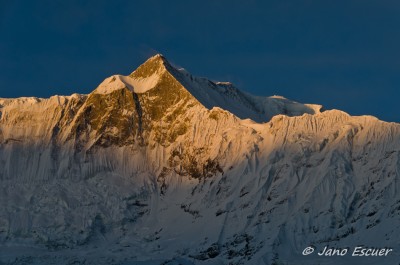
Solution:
(161, 167)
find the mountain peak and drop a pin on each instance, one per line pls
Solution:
(157, 59)
(144, 78)
(155, 64)
(157, 72)
(158, 56)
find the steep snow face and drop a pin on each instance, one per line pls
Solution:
(33, 119)
(122, 176)
(243, 105)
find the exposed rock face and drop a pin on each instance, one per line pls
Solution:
(162, 166)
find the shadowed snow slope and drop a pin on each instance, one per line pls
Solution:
(161, 167)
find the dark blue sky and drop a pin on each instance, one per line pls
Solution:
(341, 54)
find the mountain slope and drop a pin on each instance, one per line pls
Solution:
(160, 167)
(224, 94)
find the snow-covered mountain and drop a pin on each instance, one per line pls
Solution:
(161, 167)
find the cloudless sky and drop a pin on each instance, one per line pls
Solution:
(341, 54)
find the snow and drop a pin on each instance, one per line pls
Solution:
(226, 96)
(144, 84)
(117, 82)
(315, 178)
(219, 94)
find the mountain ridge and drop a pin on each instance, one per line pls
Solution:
(162, 65)
(157, 177)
